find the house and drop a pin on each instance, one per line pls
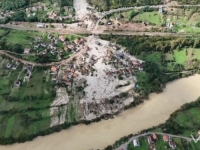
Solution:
(62, 38)
(72, 69)
(36, 46)
(199, 132)
(14, 67)
(150, 140)
(172, 144)
(53, 70)
(64, 77)
(66, 48)
(17, 83)
(152, 147)
(26, 50)
(29, 68)
(52, 15)
(165, 138)
(75, 75)
(27, 77)
(54, 78)
(136, 143)
(135, 62)
(171, 25)
(68, 83)
(154, 136)
(160, 10)
(76, 41)
(70, 46)
(8, 65)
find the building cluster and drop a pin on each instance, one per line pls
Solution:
(6, 13)
(171, 142)
(55, 45)
(28, 69)
(152, 138)
(12, 65)
(33, 10)
(123, 64)
(51, 14)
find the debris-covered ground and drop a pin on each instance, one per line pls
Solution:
(101, 78)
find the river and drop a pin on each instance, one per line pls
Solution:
(98, 135)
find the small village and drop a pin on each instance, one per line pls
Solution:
(155, 141)
(58, 47)
(39, 10)
(152, 138)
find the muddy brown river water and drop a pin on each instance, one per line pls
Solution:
(98, 135)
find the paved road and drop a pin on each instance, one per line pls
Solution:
(124, 146)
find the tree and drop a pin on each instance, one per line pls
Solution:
(19, 16)
(17, 48)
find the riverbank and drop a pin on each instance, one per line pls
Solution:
(99, 135)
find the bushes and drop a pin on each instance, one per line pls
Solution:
(138, 44)
(12, 5)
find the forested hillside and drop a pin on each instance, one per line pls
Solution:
(16, 4)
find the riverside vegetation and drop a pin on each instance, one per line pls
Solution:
(184, 121)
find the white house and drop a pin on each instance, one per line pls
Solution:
(160, 9)
(26, 50)
(136, 143)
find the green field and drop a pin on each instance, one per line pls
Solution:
(180, 56)
(17, 118)
(152, 17)
(9, 126)
(184, 55)
(2, 32)
(26, 110)
(21, 37)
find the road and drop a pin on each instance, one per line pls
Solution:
(3, 52)
(124, 146)
(65, 31)
(32, 26)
